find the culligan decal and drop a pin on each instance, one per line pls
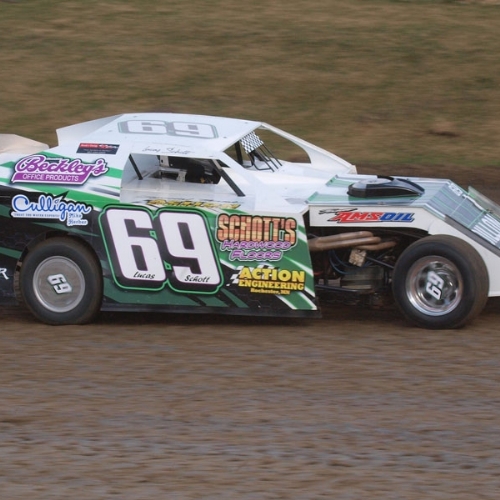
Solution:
(50, 207)
(46, 170)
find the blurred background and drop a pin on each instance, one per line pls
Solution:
(183, 407)
(376, 81)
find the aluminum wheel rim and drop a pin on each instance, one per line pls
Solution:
(434, 286)
(59, 284)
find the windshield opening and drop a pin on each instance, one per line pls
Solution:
(251, 152)
(267, 151)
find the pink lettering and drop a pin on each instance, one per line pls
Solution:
(40, 168)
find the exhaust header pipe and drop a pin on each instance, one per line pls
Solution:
(364, 240)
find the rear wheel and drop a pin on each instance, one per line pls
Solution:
(61, 282)
(440, 282)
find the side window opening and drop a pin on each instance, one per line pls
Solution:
(195, 170)
(139, 166)
(148, 172)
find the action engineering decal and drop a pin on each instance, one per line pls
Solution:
(265, 279)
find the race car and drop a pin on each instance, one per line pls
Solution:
(189, 213)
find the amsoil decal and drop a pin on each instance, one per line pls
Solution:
(97, 149)
(255, 238)
(46, 170)
(275, 281)
(355, 216)
(50, 207)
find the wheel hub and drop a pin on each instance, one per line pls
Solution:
(434, 286)
(59, 284)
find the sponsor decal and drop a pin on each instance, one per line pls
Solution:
(256, 228)
(255, 238)
(159, 203)
(263, 279)
(97, 149)
(3, 273)
(50, 207)
(355, 216)
(42, 169)
(255, 250)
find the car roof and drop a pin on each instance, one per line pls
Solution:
(197, 132)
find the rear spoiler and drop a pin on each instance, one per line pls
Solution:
(11, 143)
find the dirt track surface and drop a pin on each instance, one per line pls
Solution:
(355, 405)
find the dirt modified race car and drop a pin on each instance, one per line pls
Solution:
(187, 213)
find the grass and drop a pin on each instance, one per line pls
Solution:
(375, 81)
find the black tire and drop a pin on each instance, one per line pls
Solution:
(440, 282)
(61, 282)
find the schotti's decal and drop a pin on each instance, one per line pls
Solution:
(97, 149)
(255, 250)
(270, 280)
(354, 216)
(50, 207)
(255, 238)
(42, 169)
(192, 204)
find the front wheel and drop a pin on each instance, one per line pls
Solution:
(61, 282)
(440, 282)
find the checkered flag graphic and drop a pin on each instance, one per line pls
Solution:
(251, 142)
(235, 278)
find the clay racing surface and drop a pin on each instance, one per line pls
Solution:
(356, 405)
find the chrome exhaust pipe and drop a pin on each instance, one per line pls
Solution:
(361, 240)
(343, 240)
